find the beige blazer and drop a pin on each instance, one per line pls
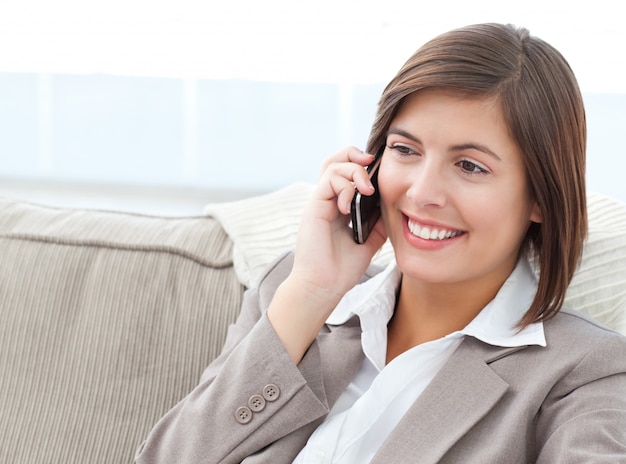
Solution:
(565, 403)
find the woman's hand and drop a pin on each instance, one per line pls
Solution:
(328, 262)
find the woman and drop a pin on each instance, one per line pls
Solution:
(458, 351)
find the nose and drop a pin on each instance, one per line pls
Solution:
(428, 186)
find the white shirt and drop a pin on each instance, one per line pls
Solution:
(379, 395)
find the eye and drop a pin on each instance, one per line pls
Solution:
(469, 167)
(402, 150)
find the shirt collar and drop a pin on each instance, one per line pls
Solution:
(496, 324)
(375, 296)
(374, 301)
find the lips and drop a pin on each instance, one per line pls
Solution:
(432, 232)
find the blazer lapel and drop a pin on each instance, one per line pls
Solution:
(462, 393)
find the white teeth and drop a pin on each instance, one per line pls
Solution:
(428, 233)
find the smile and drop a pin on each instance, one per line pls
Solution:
(432, 233)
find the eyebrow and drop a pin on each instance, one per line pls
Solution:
(476, 146)
(464, 146)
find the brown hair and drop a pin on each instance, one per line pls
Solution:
(544, 112)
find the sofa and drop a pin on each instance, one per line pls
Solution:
(109, 318)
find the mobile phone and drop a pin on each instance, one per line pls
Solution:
(365, 210)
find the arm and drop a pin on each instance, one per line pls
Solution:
(204, 428)
(273, 342)
(584, 419)
(327, 262)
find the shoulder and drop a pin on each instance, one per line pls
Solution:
(580, 355)
(573, 327)
(577, 347)
(584, 345)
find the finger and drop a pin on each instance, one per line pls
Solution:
(359, 156)
(344, 192)
(344, 176)
(349, 154)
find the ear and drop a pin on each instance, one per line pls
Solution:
(535, 213)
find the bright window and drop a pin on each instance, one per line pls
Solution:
(247, 95)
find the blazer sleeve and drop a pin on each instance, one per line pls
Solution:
(250, 396)
(584, 419)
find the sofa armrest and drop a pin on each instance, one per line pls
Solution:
(108, 320)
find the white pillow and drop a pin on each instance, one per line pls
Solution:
(599, 286)
(262, 227)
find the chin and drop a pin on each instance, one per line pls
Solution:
(422, 269)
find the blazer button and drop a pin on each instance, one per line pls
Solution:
(271, 392)
(256, 403)
(243, 415)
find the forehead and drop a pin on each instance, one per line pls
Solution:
(482, 114)
(486, 103)
(445, 121)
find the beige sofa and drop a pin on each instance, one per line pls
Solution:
(109, 318)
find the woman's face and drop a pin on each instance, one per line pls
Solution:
(455, 200)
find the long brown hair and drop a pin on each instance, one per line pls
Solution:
(545, 116)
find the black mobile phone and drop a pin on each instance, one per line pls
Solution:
(365, 210)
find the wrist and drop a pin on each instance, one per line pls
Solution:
(297, 313)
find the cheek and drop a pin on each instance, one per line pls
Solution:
(389, 182)
(507, 218)
(386, 191)
(392, 188)
(383, 183)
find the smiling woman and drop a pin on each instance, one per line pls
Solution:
(463, 336)
(152, 94)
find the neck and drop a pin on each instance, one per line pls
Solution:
(426, 312)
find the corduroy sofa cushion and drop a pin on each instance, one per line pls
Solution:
(107, 319)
